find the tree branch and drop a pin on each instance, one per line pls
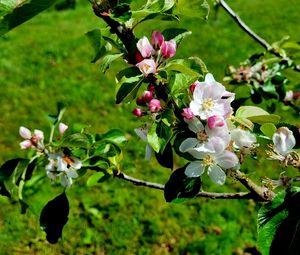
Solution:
(242, 24)
(212, 195)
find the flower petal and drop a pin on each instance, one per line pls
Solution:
(38, 134)
(188, 144)
(216, 174)
(71, 173)
(209, 78)
(195, 125)
(227, 159)
(25, 133)
(149, 152)
(66, 181)
(194, 169)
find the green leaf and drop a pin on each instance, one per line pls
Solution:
(250, 111)
(180, 188)
(97, 178)
(6, 7)
(76, 140)
(115, 136)
(291, 45)
(268, 129)
(8, 168)
(54, 216)
(94, 37)
(18, 14)
(4, 191)
(179, 82)
(165, 158)
(96, 161)
(177, 34)
(107, 60)
(193, 8)
(278, 224)
(159, 136)
(128, 88)
(54, 119)
(262, 119)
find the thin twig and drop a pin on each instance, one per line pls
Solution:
(242, 24)
(212, 195)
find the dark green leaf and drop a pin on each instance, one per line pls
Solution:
(4, 191)
(165, 158)
(278, 224)
(94, 37)
(18, 14)
(180, 187)
(24, 206)
(54, 216)
(121, 12)
(115, 136)
(76, 140)
(8, 168)
(177, 34)
(128, 88)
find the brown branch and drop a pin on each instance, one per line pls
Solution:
(212, 195)
(242, 24)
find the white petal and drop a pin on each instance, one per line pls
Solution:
(39, 135)
(209, 78)
(66, 181)
(149, 152)
(194, 169)
(71, 173)
(188, 144)
(216, 174)
(77, 164)
(195, 125)
(227, 159)
(25, 144)
(284, 140)
(61, 165)
(195, 107)
(141, 133)
(25, 133)
(243, 138)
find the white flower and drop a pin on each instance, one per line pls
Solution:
(214, 164)
(283, 140)
(208, 99)
(34, 140)
(142, 133)
(207, 139)
(64, 166)
(243, 138)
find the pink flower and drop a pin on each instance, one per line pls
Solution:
(157, 39)
(35, 140)
(138, 112)
(154, 105)
(147, 66)
(215, 121)
(187, 114)
(62, 128)
(144, 47)
(168, 49)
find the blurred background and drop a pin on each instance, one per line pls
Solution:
(47, 60)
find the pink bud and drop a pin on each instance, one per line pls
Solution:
(151, 87)
(154, 105)
(215, 121)
(144, 47)
(140, 101)
(62, 128)
(26, 144)
(157, 39)
(38, 135)
(147, 66)
(187, 114)
(147, 96)
(138, 112)
(193, 86)
(168, 49)
(25, 133)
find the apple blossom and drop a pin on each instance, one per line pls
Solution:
(168, 49)
(144, 47)
(64, 166)
(283, 140)
(208, 99)
(31, 141)
(157, 39)
(154, 105)
(243, 138)
(62, 128)
(147, 66)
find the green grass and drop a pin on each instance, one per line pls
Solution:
(47, 60)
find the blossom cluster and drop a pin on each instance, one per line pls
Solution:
(151, 55)
(213, 144)
(59, 163)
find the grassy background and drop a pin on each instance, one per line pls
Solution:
(47, 60)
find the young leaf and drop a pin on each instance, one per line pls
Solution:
(268, 129)
(18, 14)
(54, 216)
(278, 224)
(76, 140)
(128, 88)
(193, 8)
(180, 188)
(107, 60)
(96, 178)
(115, 136)
(177, 34)
(94, 37)
(159, 136)
(179, 82)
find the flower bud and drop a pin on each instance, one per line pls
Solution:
(147, 66)
(154, 105)
(140, 101)
(62, 128)
(187, 114)
(151, 87)
(147, 96)
(157, 39)
(215, 121)
(193, 86)
(283, 140)
(138, 112)
(168, 49)
(144, 47)
(25, 133)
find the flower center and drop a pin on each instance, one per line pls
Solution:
(202, 137)
(68, 160)
(207, 103)
(208, 160)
